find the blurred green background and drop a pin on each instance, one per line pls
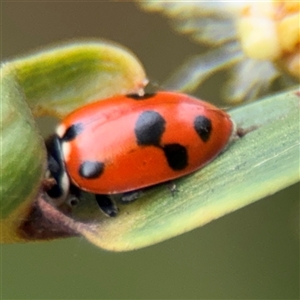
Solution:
(252, 253)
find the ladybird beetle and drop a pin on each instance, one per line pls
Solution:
(127, 143)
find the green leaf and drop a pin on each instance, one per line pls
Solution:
(259, 164)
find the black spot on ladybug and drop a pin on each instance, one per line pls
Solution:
(149, 128)
(71, 132)
(91, 169)
(139, 97)
(203, 127)
(176, 155)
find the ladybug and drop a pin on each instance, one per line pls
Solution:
(129, 142)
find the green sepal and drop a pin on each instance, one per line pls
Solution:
(53, 81)
(58, 80)
(22, 157)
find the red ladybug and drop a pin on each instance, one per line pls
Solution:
(127, 143)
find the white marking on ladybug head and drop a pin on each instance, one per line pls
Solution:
(65, 184)
(61, 130)
(66, 150)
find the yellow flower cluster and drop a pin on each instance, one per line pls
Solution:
(271, 31)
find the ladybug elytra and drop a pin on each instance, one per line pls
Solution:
(126, 143)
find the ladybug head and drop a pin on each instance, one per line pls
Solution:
(56, 170)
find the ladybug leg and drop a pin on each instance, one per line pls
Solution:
(131, 196)
(106, 205)
(74, 195)
(172, 188)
